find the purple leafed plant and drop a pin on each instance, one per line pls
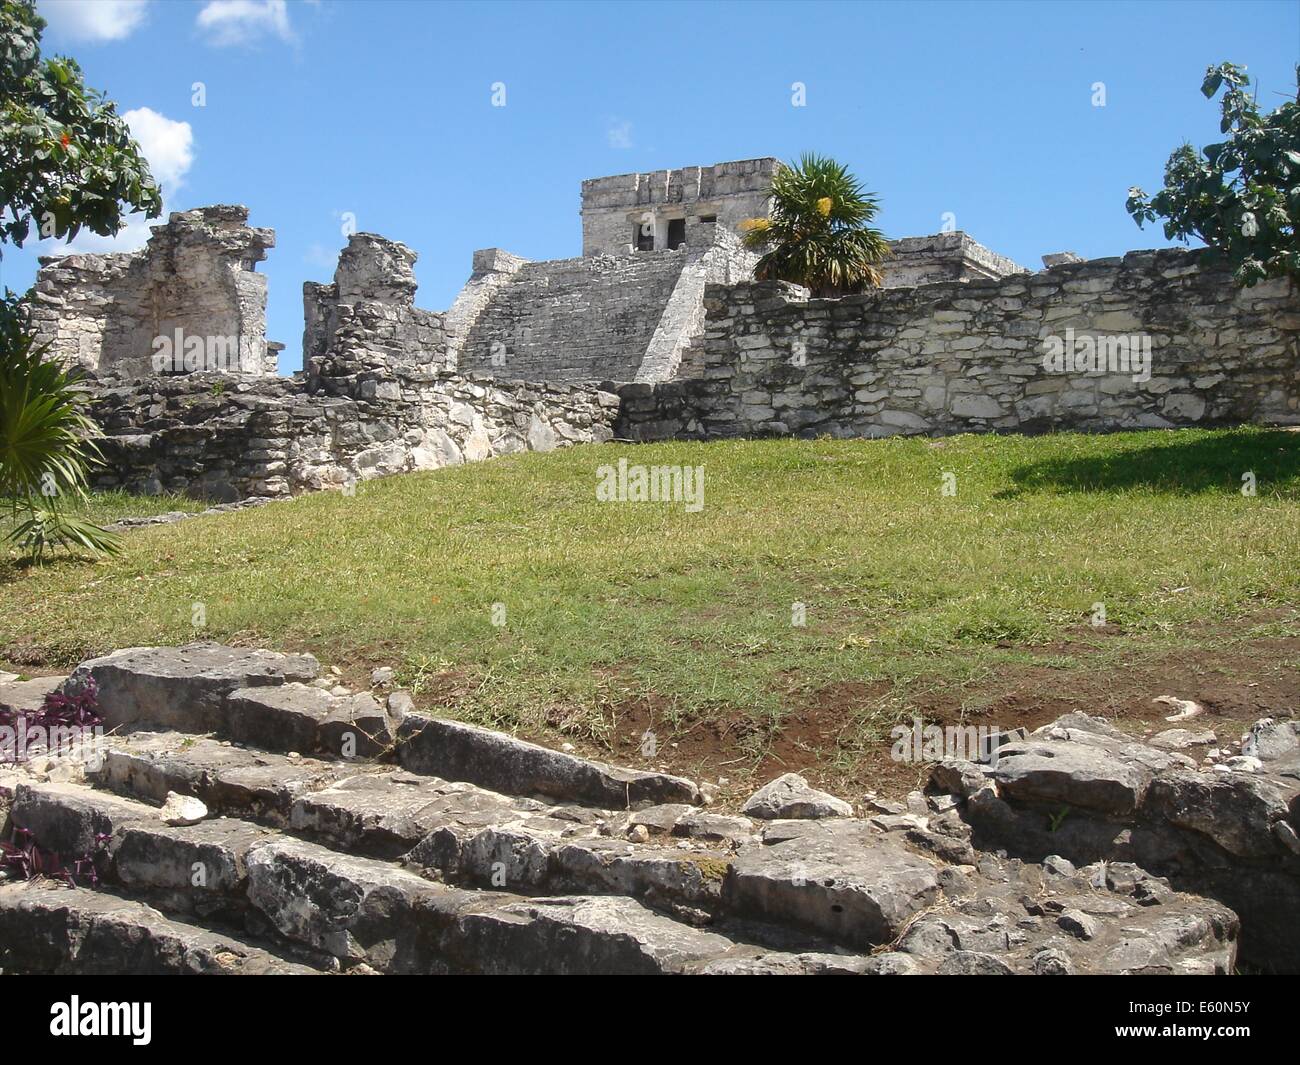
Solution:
(23, 855)
(60, 711)
(81, 709)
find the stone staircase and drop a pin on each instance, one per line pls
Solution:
(344, 835)
(584, 319)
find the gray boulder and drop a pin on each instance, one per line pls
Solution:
(790, 796)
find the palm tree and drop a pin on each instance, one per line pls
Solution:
(818, 235)
(46, 444)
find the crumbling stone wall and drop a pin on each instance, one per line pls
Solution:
(375, 398)
(942, 257)
(194, 279)
(970, 356)
(367, 318)
(227, 438)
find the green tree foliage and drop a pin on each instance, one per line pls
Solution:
(1241, 197)
(67, 160)
(819, 234)
(67, 163)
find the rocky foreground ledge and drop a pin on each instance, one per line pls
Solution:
(247, 815)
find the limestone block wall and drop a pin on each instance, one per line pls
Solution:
(974, 356)
(227, 438)
(367, 318)
(194, 279)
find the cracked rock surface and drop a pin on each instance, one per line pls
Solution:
(487, 854)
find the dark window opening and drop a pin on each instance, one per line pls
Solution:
(709, 219)
(643, 234)
(676, 233)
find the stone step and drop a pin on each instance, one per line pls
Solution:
(778, 904)
(363, 911)
(480, 852)
(48, 927)
(235, 781)
(260, 699)
(455, 831)
(183, 688)
(457, 751)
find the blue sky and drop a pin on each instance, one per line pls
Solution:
(384, 110)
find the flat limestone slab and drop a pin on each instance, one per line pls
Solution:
(386, 814)
(228, 779)
(46, 928)
(835, 878)
(454, 750)
(27, 696)
(183, 687)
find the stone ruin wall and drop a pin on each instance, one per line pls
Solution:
(196, 274)
(367, 318)
(942, 257)
(216, 438)
(954, 342)
(969, 356)
(375, 398)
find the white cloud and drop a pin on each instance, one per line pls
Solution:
(93, 20)
(619, 135)
(169, 147)
(235, 22)
(167, 144)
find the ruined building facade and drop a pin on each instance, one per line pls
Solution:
(657, 331)
(195, 278)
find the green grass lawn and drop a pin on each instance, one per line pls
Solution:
(611, 606)
(105, 507)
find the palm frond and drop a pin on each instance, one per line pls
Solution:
(47, 444)
(45, 530)
(818, 234)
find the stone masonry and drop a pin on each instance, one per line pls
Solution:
(601, 317)
(375, 398)
(651, 210)
(368, 315)
(349, 831)
(970, 356)
(666, 318)
(194, 279)
(210, 437)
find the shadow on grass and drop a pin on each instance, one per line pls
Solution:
(1169, 462)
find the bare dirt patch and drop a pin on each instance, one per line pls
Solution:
(824, 738)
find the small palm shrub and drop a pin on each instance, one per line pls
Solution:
(47, 444)
(819, 234)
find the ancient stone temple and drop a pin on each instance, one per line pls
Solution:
(657, 331)
(658, 211)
